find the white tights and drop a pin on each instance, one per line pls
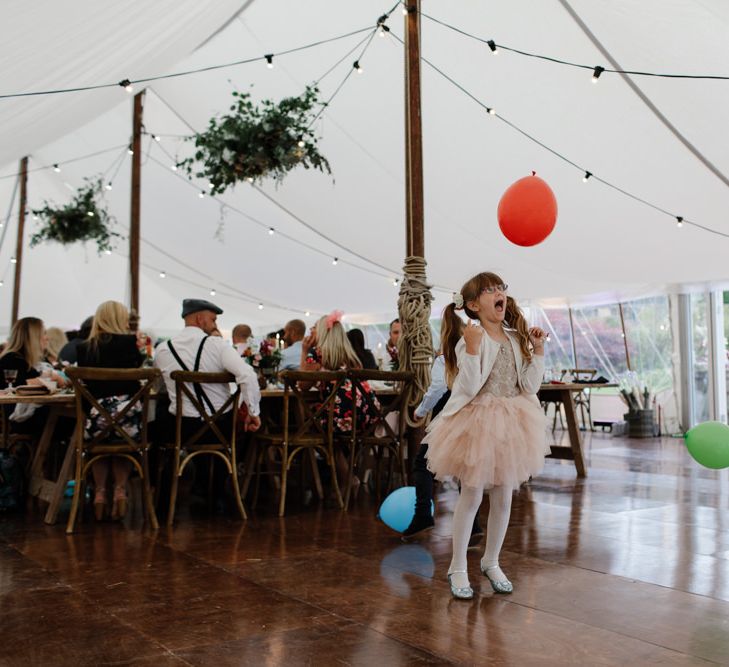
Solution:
(468, 503)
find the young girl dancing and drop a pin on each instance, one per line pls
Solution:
(490, 434)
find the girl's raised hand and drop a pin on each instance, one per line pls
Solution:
(537, 337)
(472, 335)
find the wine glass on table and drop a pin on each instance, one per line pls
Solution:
(10, 375)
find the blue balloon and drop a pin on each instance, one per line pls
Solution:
(398, 509)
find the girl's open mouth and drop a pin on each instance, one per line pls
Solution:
(499, 305)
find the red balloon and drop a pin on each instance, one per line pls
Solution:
(527, 211)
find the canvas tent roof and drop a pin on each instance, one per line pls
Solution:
(606, 245)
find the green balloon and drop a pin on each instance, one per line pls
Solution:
(708, 443)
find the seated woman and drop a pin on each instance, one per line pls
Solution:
(111, 345)
(56, 341)
(24, 355)
(328, 348)
(365, 356)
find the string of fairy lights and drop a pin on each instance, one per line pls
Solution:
(597, 70)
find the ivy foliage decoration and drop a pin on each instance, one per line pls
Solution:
(257, 141)
(84, 219)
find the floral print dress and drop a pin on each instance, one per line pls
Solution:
(368, 406)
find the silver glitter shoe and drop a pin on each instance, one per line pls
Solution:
(463, 593)
(503, 587)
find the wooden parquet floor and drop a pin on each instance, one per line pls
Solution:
(627, 567)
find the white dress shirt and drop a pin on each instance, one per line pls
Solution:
(217, 357)
(291, 357)
(437, 388)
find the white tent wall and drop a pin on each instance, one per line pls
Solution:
(606, 247)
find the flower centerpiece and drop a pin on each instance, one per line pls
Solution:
(267, 360)
(253, 141)
(84, 219)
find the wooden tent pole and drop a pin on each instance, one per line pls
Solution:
(415, 238)
(19, 244)
(134, 221)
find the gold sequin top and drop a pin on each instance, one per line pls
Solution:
(503, 381)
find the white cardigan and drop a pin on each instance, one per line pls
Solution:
(474, 370)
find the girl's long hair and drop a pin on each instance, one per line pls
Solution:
(334, 346)
(25, 339)
(111, 317)
(452, 326)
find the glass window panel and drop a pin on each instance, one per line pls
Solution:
(648, 329)
(700, 342)
(599, 340)
(558, 350)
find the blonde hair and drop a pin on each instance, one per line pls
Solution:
(25, 340)
(111, 317)
(334, 346)
(56, 340)
(452, 325)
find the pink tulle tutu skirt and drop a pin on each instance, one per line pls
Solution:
(492, 441)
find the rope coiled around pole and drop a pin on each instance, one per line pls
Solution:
(415, 347)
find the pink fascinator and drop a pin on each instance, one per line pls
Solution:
(334, 316)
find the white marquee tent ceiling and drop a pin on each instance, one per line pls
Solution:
(605, 246)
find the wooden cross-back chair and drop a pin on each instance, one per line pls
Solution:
(380, 435)
(307, 427)
(211, 439)
(112, 440)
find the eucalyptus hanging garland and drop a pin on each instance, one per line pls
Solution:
(84, 219)
(253, 142)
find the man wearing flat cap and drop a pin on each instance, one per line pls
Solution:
(196, 349)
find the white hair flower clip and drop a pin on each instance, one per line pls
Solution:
(458, 300)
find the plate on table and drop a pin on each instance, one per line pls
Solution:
(32, 390)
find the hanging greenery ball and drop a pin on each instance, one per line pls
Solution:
(85, 218)
(253, 142)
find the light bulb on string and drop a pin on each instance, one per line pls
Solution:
(271, 231)
(249, 179)
(596, 73)
(357, 67)
(90, 214)
(301, 143)
(13, 260)
(493, 47)
(162, 274)
(127, 85)
(108, 185)
(130, 150)
(586, 176)
(157, 138)
(395, 282)
(174, 167)
(307, 314)
(269, 60)
(1, 283)
(384, 29)
(334, 261)
(212, 292)
(491, 111)
(201, 194)
(405, 10)
(679, 221)
(260, 306)
(56, 168)
(107, 251)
